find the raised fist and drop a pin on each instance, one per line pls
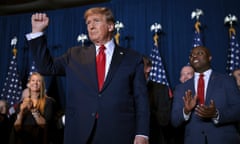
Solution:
(39, 22)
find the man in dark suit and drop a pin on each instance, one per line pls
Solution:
(214, 120)
(160, 108)
(117, 113)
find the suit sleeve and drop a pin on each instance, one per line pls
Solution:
(177, 117)
(142, 104)
(46, 64)
(229, 110)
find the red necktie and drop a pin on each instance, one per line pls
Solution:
(200, 89)
(101, 60)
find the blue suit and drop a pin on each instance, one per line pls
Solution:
(223, 90)
(122, 104)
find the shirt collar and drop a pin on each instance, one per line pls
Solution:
(206, 73)
(109, 46)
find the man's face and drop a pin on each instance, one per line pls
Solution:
(99, 30)
(200, 59)
(187, 72)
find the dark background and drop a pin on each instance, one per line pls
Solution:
(66, 23)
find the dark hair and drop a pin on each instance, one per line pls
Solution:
(147, 61)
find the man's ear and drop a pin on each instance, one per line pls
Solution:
(111, 27)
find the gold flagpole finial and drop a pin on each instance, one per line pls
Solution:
(230, 19)
(196, 14)
(231, 31)
(156, 27)
(13, 44)
(14, 51)
(117, 36)
(118, 25)
(155, 39)
(197, 26)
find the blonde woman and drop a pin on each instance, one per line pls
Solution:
(35, 114)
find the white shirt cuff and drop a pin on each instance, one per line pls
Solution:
(216, 120)
(186, 116)
(31, 36)
(146, 137)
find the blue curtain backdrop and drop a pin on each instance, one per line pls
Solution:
(137, 16)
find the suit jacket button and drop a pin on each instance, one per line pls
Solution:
(99, 95)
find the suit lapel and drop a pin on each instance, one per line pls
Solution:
(117, 57)
(210, 87)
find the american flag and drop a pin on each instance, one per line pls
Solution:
(197, 39)
(158, 73)
(12, 88)
(233, 58)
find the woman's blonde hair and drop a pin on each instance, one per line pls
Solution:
(42, 94)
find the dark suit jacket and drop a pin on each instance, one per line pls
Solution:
(160, 111)
(223, 90)
(122, 105)
(160, 103)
